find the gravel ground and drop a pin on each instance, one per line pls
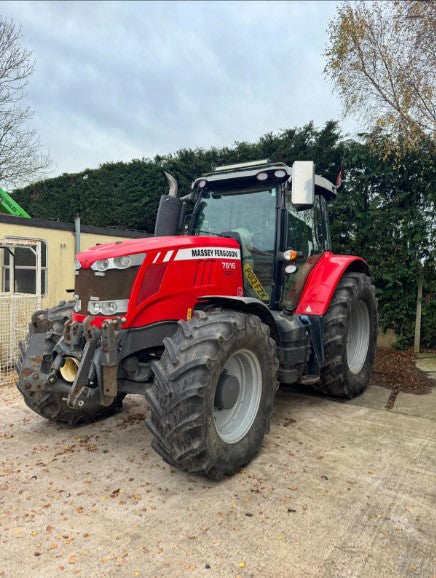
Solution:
(338, 490)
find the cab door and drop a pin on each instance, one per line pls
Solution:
(308, 235)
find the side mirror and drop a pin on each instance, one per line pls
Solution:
(303, 184)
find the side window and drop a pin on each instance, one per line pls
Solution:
(302, 235)
(321, 228)
(24, 270)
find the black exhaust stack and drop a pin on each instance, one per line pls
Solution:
(169, 212)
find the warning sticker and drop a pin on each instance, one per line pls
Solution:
(255, 283)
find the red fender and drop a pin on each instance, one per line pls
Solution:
(323, 280)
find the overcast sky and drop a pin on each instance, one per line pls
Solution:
(122, 80)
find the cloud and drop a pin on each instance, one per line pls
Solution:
(122, 80)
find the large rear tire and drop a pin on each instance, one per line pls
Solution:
(213, 393)
(350, 336)
(52, 405)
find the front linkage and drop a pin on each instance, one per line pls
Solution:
(97, 350)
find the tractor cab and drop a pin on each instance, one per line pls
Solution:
(277, 214)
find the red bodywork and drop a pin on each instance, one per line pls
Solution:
(175, 273)
(178, 270)
(322, 282)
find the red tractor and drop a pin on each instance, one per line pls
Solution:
(208, 316)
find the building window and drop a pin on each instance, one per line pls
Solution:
(25, 268)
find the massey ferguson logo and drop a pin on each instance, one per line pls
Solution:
(229, 253)
(207, 253)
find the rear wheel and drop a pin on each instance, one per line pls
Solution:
(213, 393)
(350, 334)
(47, 329)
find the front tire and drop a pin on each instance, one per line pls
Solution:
(213, 393)
(350, 336)
(52, 405)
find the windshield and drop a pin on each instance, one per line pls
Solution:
(252, 214)
(250, 217)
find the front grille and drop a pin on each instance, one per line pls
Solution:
(116, 284)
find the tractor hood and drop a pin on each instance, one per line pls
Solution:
(145, 245)
(131, 279)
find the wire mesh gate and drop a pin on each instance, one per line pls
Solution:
(16, 308)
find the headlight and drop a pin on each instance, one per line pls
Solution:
(123, 262)
(116, 306)
(94, 307)
(108, 307)
(77, 305)
(100, 265)
(77, 265)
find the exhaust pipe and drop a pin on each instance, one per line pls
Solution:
(168, 214)
(172, 184)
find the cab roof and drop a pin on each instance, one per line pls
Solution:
(245, 174)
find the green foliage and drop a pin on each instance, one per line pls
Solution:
(384, 211)
(127, 195)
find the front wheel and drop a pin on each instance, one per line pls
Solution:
(36, 354)
(213, 393)
(350, 336)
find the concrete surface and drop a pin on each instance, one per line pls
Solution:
(338, 490)
(375, 397)
(419, 405)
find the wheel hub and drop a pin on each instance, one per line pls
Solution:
(237, 396)
(227, 391)
(358, 336)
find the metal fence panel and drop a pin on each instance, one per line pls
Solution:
(15, 313)
(16, 308)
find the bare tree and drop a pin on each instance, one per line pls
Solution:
(382, 60)
(20, 157)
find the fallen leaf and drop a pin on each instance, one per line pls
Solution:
(68, 539)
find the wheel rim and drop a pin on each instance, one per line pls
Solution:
(234, 423)
(358, 336)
